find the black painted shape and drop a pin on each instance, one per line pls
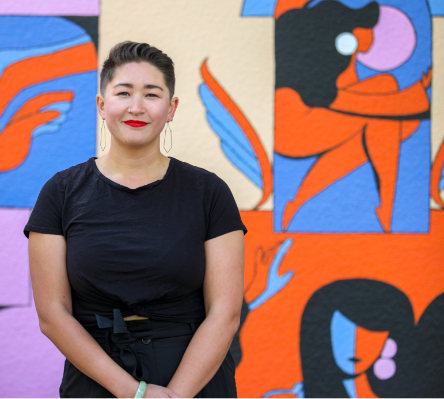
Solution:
(306, 57)
(428, 368)
(91, 26)
(373, 305)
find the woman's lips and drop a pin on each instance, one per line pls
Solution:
(135, 123)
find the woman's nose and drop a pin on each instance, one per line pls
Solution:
(136, 107)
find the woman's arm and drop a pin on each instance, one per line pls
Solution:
(223, 293)
(52, 295)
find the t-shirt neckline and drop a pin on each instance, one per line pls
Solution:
(127, 189)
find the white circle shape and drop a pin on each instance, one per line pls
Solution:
(346, 43)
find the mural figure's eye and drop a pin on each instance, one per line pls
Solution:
(346, 43)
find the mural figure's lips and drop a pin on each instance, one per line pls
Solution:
(135, 123)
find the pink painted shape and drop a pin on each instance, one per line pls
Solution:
(390, 349)
(394, 40)
(384, 369)
(31, 366)
(14, 268)
(50, 7)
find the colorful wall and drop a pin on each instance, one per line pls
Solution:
(325, 117)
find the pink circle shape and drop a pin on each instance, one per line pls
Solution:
(394, 40)
(390, 349)
(384, 369)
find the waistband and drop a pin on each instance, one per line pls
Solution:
(124, 334)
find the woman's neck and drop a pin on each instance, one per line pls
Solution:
(133, 167)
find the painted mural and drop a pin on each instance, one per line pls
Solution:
(48, 74)
(344, 284)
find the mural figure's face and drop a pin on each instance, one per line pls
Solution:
(360, 40)
(139, 87)
(355, 348)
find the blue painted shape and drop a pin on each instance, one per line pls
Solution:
(288, 174)
(348, 205)
(436, 8)
(24, 37)
(258, 8)
(350, 387)
(19, 32)
(234, 143)
(343, 342)
(411, 211)
(297, 391)
(353, 4)
(74, 143)
(274, 282)
(55, 125)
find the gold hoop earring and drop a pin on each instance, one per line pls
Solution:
(102, 129)
(171, 138)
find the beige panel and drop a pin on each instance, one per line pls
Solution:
(437, 88)
(240, 54)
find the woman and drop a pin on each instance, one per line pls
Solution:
(136, 259)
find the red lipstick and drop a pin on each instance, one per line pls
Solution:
(133, 123)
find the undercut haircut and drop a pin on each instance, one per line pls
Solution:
(126, 52)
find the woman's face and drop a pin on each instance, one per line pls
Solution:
(136, 104)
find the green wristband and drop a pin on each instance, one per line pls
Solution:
(141, 391)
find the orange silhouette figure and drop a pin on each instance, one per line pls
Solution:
(372, 111)
(15, 139)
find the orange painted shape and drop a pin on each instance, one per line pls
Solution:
(66, 62)
(368, 347)
(363, 389)
(269, 338)
(39, 102)
(435, 179)
(283, 6)
(239, 117)
(408, 102)
(15, 140)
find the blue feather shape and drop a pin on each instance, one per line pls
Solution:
(55, 125)
(234, 143)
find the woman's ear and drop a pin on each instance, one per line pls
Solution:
(173, 106)
(100, 106)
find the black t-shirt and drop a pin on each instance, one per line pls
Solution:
(139, 250)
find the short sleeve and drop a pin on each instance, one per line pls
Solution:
(222, 213)
(46, 217)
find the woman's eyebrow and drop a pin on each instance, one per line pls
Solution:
(130, 86)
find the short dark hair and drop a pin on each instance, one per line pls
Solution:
(125, 52)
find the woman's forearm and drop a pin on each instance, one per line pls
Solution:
(83, 351)
(204, 354)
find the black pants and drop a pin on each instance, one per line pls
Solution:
(150, 351)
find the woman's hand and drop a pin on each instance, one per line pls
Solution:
(156, 391)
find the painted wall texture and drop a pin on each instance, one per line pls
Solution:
(326, 119)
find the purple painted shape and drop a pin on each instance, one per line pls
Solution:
(384, 368)
(390, 349)
(31, 366)
(394, 40)
(14, 269)
(50, 7)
